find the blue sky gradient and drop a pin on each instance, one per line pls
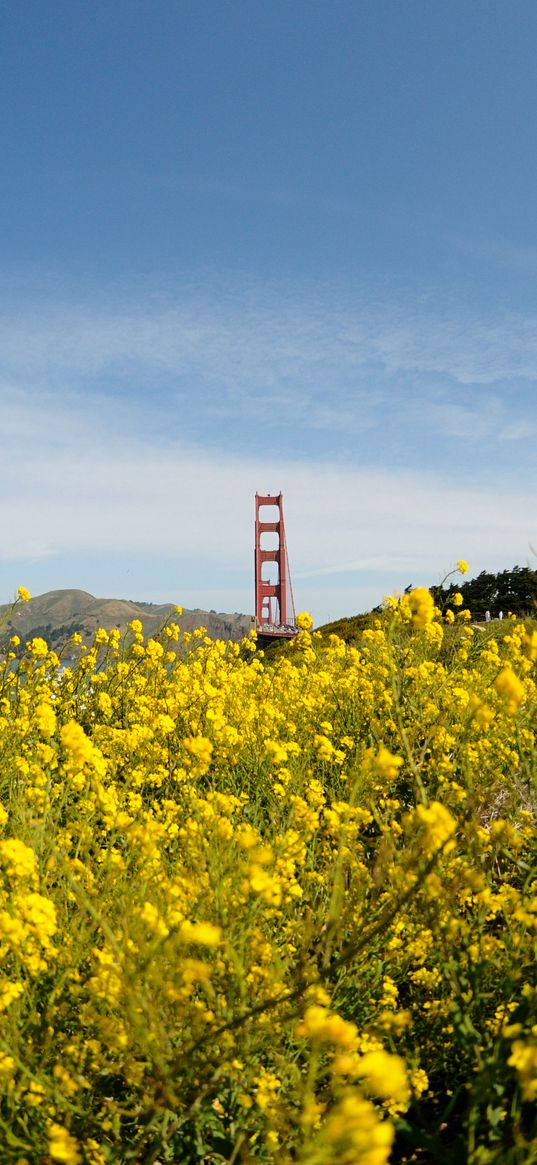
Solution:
(266, 246)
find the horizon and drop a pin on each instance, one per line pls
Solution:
(454, 575)
(248, 248)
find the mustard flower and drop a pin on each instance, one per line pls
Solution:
(17, 858)
(38, 647)
(304, 621)
(439, 827)
(45, 718)
(62, 1146)
(204, 934)
(385, 1076)
(387, 763)
(322, 1026)
(76, 743)
(9, 992)
(7, 1065)
(510, 687)
(524, 1059)
(40, 914)
(418, 606)
(353, 1134)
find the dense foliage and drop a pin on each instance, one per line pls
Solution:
(513, 591)
(349, 629)
(280, 911)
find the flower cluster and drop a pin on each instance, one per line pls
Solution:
(270, 907)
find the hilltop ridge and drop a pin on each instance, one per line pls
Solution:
(58, 614)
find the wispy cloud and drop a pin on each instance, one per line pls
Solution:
(468, 423)
(249, 337)
(519, 431)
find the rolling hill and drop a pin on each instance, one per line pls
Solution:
(56, 615)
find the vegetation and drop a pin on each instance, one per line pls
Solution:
(280, 911)
(511, 591)
(349, 629)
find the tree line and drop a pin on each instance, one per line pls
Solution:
(512, 591)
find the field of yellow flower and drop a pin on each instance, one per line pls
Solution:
(271, 910)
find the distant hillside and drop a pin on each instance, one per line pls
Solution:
(56, 616)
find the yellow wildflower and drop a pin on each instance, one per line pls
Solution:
(387, 763)
(322, 1026)
(509, 686)
(353, 1134)
(76, 743)
(385, 1076)
(40, 914)
(9, 992)
(200, 749)
(17, 858)
(419, 1081)
(418, 606)
(38, 647)
(439, 827)
(45, 718)
(7, 1064)
(104, 703)
(524, 1059)
(204, 934)
(304, 621)
(62, 1146)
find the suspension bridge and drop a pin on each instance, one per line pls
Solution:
(274, 603)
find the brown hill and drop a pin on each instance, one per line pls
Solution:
(56, 615)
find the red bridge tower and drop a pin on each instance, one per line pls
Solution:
(274, 604)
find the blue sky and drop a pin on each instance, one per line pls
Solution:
(266, 246)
